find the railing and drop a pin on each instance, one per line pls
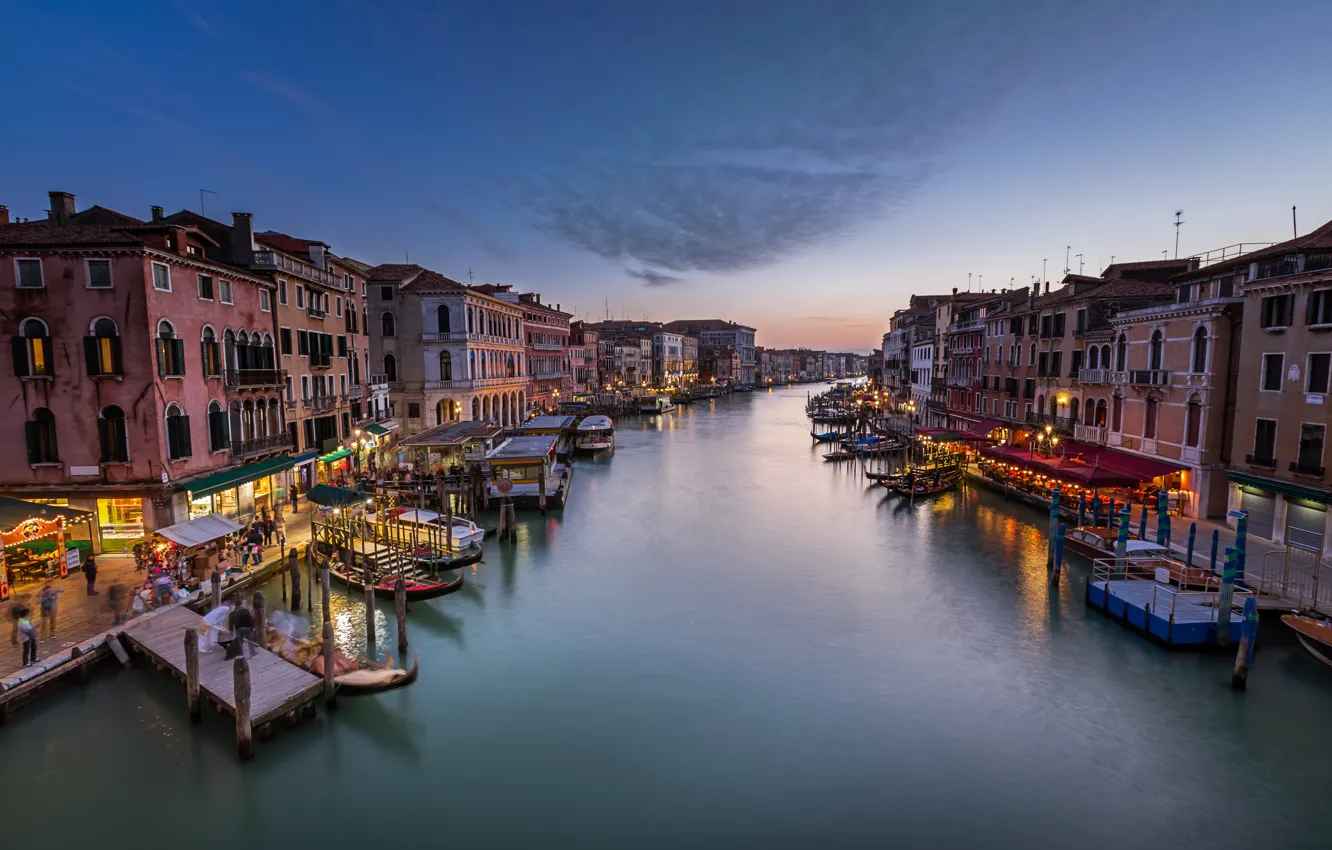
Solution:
(260, 445)
(1149, 377)
(1093, 376)
(255, 377)
(960, 381)
(315, 312)
(450, 336)
(291, 405)
(1296, 574)
(1260, 461)
(1306, 469)
(543, 376)
(355, 392)
(1167, 594)
(319, 360)
(1059, 423)
(279, 262)
(1089, 433)
(547, 346)
(320, 403)
(377, 381)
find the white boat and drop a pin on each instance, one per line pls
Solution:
(465, 532)
(595, 434)
(653, 404)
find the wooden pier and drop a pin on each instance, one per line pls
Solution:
(278, 689)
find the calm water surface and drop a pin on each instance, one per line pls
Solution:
(727, 642)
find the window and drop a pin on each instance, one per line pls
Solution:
(1056, 363)
(1310, 459)
(1032, 358)
(161, 277)
(413, 410)
(224, 287)
(112, 437)
(1273, 367)
(1276, 311)
(178, 433)
(211, 352)
(1318, 307)
(99, 274)
(442, 317)
(385, 293)
(1100, 413)
(338, 302)
(101, 349)
(390, 367)
(28, 274)
(342, 346)
(170, 351)
(1317, 373)
(445, 366)
(1093, 358)
(365, 320)
(40, 432)
(1121, 354)
(305, 386)
(1081, 326)
(32, 350)
(1117, 414)
(1058, 325)
(1076, 366)
(217, 427)
(206, 287)
(265, 301)
(1155, 351)
(363, 289)
(1192, 420)
(1200, 350)
(1149, 419)
(300, 296)
(387, 326)
(282, 292)
(284, 339)
(1264, 443)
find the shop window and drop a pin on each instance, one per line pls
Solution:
(112, 435)
(40, 432)
(32, 350)
(120, 521)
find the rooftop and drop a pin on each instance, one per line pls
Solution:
(452, 434)
(523, 448)
(548, 423)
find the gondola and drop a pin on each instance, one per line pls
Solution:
(925, 485)
(826, 437)
(838, 456)
(417, 588)
(368, 680)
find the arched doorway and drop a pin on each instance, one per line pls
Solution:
(476, 409)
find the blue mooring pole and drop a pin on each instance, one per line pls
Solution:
(1225, 597)
(1142, 523)
(1193, 536)
(1121, 544)
(1241, 545)
(1054, 523)
(1096, 511)
(1239, 679)
(1216, 541)
(1058, 555)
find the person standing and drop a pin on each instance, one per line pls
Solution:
(268, 530)
(116, 600)
(90, 573)
(48, 599)
(29, 634)
(254, 541)
(241, 625)
(15, 614)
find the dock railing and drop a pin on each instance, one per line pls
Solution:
(1167, 594)
(1299, 575)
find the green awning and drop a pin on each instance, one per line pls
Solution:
(1285, 488)
(332, 456)
(336, 497)
(376, 429)
(229, 478)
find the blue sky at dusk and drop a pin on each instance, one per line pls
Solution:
(803, 167)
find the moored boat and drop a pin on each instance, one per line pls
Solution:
(595, 434)
(418, 587)
(927, 483)
(374, 680)
(839, 455)
(653, 404)
(465, 532)
(1315, 635)
(825, 437)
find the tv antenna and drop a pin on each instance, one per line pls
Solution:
(1080, 263)
(203, 192)
(1067, 248)
(1178, 221)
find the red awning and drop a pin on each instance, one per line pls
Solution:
(985, 426)
(1145, 468)
(1065, 469)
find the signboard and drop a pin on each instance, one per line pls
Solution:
(71, 563)
(504, 485)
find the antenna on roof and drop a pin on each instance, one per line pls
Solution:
(968, 281)
(1067, 248)
(469, 277)
(201, 200)
(1178, 222)
(1294, 228)
(1080, 263)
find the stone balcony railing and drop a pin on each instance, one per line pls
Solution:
(274, 261)
(1093, 376)
(320, 403)
(1089, 433)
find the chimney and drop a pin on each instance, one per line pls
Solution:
(62, 207)
(954, 290)
(1047, 287)
(157, 214)
(242, 238)
(317, 256)
(4, 215)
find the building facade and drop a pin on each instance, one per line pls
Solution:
(721, 333)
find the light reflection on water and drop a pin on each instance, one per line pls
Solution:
(727, 641)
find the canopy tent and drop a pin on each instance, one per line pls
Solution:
(229, 478)
(336, 497)
(376, 430)
(199, 531)
(14, 512)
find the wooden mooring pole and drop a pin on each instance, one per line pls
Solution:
(327, 593)
(260, 620)
(400, 608)
(192, 674)
(294, 567)
(330, 697)
(1224, 598)
(216, 597)
(541, 489)
(244, 731)
(369, 605)
(282, 571)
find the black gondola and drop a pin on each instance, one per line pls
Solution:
(417, 588)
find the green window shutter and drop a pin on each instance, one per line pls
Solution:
(90, 356)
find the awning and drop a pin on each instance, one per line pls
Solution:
(376, 429)
(305, 457)
(229, 478)
(200, 530)
(336, 497)
(1285, 488)
(1144, 467)
(15, 511)
(1068, 470)
(334, 456)
(985, 426)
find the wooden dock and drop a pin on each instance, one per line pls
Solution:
(278, 688)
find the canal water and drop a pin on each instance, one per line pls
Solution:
(723, 641)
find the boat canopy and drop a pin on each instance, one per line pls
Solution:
(596, 423)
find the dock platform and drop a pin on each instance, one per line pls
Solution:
(1161, 612)
(277, 687)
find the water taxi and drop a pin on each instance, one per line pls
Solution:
(654, 404)
(1315, 635)
(465, 532)
(595, 434)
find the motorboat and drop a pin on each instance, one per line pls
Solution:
(1315, 635)
(595, 434)
(465, 532)
(654, 404)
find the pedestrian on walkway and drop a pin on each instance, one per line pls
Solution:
(15, 614)
(295, 500)
(115, 599)
(90, 573)
(268, 530)
(254, 542)
(28, 633)
(241, 625)
(49, 599)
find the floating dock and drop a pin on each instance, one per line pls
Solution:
(1161, 609)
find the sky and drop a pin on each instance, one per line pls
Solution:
(801, 167)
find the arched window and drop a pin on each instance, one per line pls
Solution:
(101, 349)
(234, 428)
(471, 325)
(1200, 351)
(387, 327)
(445, 366)
(1193, 419)
(1117, 411)
(1100, 413)
(1155, 351)
(112, 437)
(244, 354)
(267, 356)
(261, 418)
(1149, 419)
(390, 367)
(476, 409)
(247, 420)
(471, 370)
(1073, 410)
(1105, 356)
(170, 351)
(274, 418)
(211, 353)
(32, 349)
(229, 348)
(1089, 417)
(178, 433)
(1033, 354)
(1121, 354)
(217, 427)
(442, 317)
(41, 437)
(1040, 405)
(1093, 358)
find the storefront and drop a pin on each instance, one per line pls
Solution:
(334, 466)
(304, 470)
(243, 493)
(33, 543)
(1284, 511)
(119, 522)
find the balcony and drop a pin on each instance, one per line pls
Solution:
(1058, 423)
(1149, 378)
(1093, 376)
(260, 445)
(1260, 461)
(355, 392)
(377, 382)
(962, 382)
(315, 312)
(320, 403)
(251, 378)
(1089, 433)
(549, 376)
(547, 346)
(937, 383)
(274, 261)
(320, 360)
(1306, 469)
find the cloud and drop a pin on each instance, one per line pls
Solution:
(304, 101)
(652, 277)
(462, 223)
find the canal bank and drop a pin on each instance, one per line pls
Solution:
(727, 642)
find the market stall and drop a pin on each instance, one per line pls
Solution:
(34, 543)
(181, 556)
